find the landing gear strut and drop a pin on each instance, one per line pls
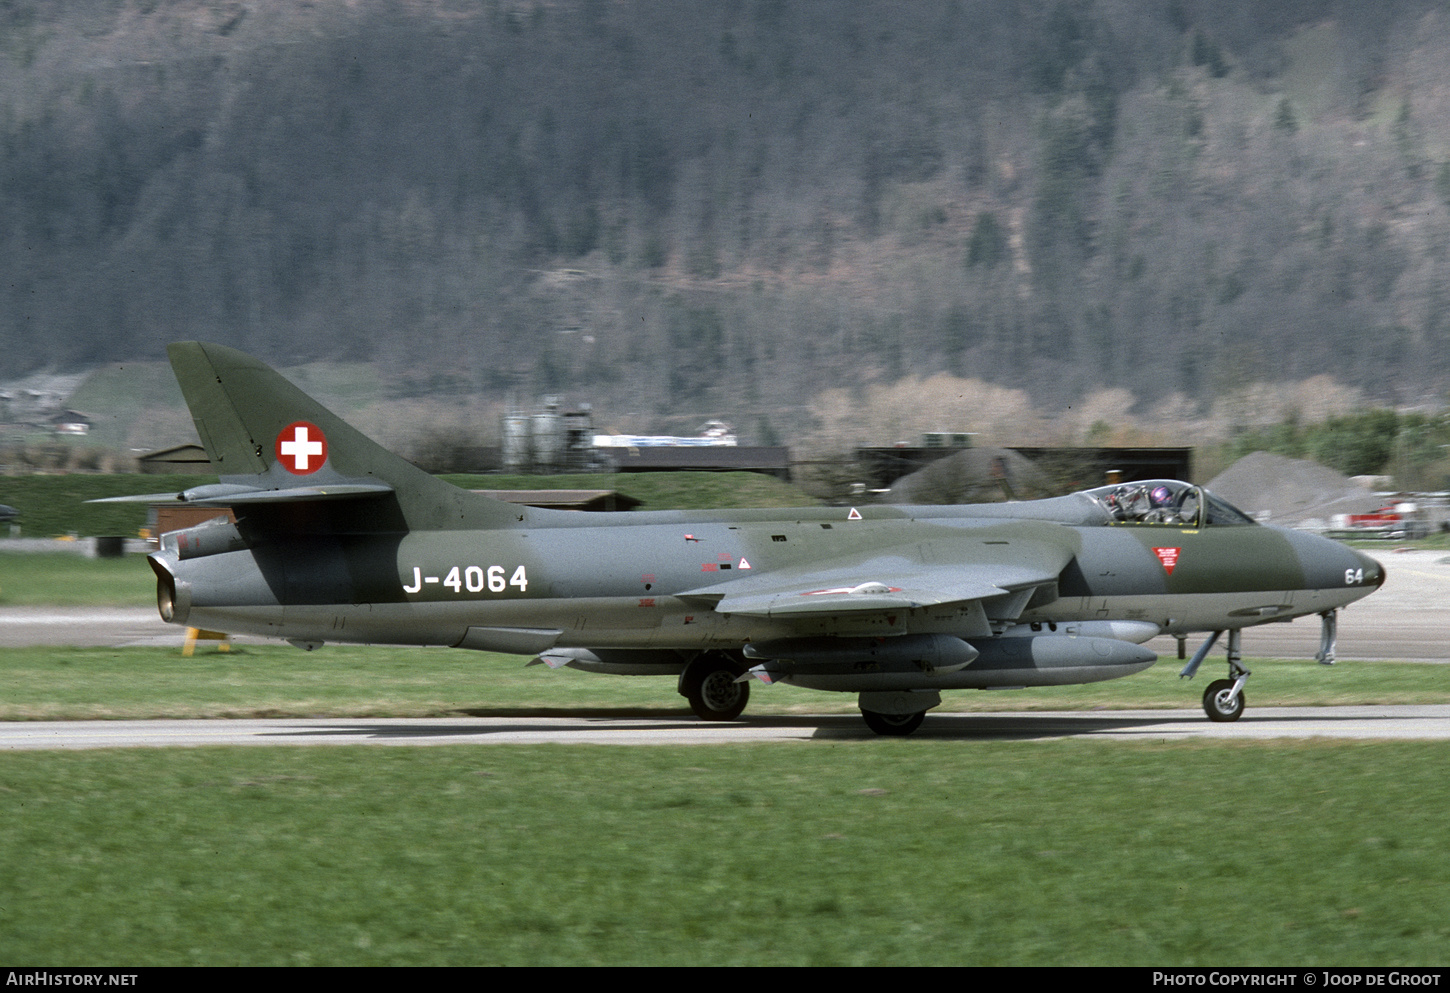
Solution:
(1328, 636)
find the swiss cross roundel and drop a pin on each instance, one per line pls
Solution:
(301, 448)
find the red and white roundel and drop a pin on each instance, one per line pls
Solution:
(301, 448)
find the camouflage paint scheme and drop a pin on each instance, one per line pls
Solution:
(339, 540)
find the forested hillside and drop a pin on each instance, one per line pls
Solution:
(776, 211)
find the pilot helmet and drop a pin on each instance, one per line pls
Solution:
(1161, 496)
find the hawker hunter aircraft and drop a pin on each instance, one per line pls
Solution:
(338, 540)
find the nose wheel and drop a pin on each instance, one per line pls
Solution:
(1224, 701)
(1220, 701)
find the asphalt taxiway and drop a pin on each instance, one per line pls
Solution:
(1375, 722)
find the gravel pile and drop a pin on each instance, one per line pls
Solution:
(1282, 490)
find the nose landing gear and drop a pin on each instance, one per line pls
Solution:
(1223, 700)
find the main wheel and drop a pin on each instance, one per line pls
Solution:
(1217, 705)
(896, 725)
(709, 684)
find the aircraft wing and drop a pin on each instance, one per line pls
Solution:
(995, 562)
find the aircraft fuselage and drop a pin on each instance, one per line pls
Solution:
(613, 584)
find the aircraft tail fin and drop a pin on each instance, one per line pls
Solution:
(272, 443)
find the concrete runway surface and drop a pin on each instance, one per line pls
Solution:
(1377, 722)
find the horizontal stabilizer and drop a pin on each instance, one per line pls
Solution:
(223, 495)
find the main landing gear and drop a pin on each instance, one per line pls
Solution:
(709, 683)
(896, 713)
(895, 725)
(1223, 700)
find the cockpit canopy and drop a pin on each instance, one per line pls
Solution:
(1167, 502)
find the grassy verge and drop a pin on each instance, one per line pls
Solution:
(56, 505)
(348, 681)
(874, 853)
(73, 581)
(1438, 542)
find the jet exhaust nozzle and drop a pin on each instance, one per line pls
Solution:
(173, 599)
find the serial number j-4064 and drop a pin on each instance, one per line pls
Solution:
(473, 579)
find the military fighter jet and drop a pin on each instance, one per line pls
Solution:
(338, 540)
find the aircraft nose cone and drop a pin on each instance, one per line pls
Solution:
(1330, 564)
(1374, 573)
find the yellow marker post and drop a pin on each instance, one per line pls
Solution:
(193, 635)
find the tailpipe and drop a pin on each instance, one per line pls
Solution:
(173, 598)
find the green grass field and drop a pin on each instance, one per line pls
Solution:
(55, 505)
(881, 852)
(352, 681)
(73, 581)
